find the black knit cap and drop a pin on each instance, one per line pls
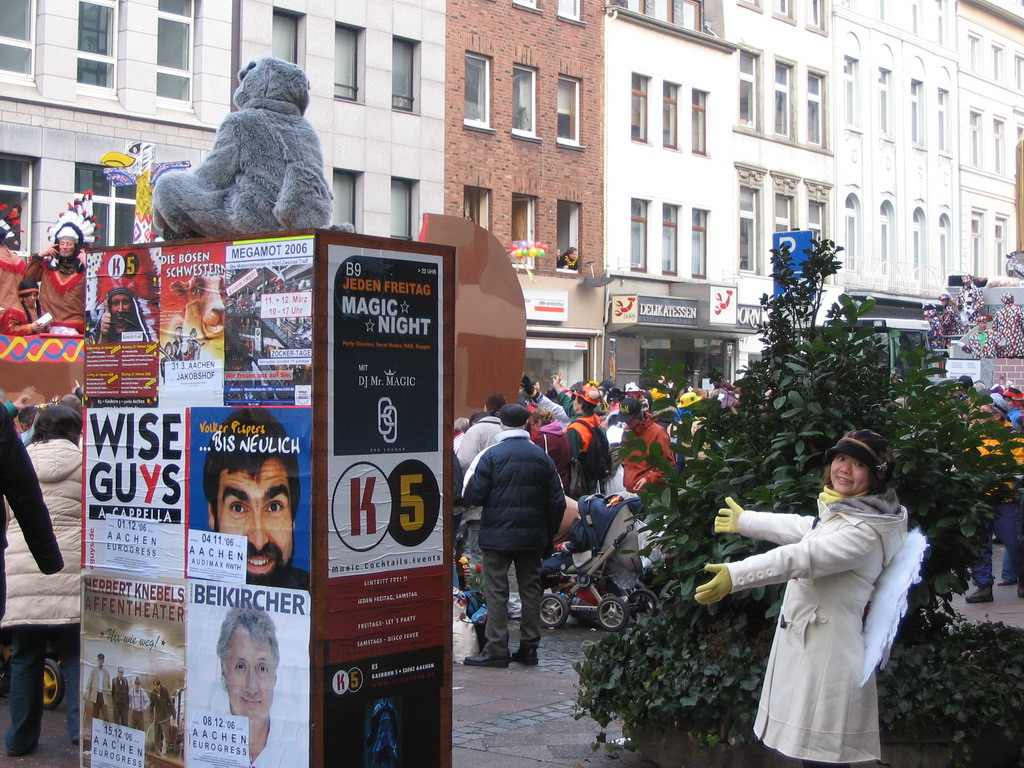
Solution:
(869, 448)
(513, 415)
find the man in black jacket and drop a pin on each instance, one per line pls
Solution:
(19, 485)
(518, 487)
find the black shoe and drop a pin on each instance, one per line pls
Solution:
(21, 752)
(484, 660)
(527, 656)
(980, 595)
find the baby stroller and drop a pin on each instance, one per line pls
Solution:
(598, 573)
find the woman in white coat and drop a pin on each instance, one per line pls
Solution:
(813, 706)
(46, 607)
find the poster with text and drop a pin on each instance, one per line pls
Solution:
(122, 302)
(135, 491)
(192, 299)
(385, 534)
(248, 661)
(385, 710)
(268, 353)
(249, 495)
(133, 682)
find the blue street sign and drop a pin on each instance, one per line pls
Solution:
(798, 242)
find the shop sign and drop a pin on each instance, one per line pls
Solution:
(749, 316)
(624, 309)
(666, 311)
(723, 305)
(546, 305)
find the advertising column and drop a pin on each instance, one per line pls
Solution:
(388, 587)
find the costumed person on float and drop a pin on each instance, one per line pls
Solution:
(819, 703)
(980, 342)
(26, 317)
(12, 266)
(949, 318)
(971, 300)
(1008, 327)
(60, 269)
(935, 340)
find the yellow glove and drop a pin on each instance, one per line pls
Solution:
(717, 588)
(728, 520)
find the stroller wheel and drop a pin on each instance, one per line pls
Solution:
(554, 610)
(643, 601)
(612, 613)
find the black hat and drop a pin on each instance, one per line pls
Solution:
(514, 415)
(965, 381)
(631, 408)
(869, 448)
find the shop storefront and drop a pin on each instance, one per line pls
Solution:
(700, 331)
(563, 330)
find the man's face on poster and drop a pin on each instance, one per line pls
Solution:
(258, 507)
(250, 674)
(120, 308)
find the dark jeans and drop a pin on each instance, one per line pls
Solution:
(26, 700)
(496, 565)
(1004, 528)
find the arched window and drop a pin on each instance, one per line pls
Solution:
(887, 232)
(852, 248)
(920, 239)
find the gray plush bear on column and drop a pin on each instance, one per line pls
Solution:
(265, 172)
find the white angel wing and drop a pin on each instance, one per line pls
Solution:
(889, 601)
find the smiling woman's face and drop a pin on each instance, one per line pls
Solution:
(250, 675)
(849, 476)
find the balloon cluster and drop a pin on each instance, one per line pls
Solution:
(522, 249)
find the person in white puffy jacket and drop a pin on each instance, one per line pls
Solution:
(46, 607)
(813, 706)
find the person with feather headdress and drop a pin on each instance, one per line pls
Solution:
(60, 269)
(12, 266)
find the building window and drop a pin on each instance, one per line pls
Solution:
(944, 241)
(974, 52)
(685, 13)
(570, 9)
(883, 6)
(524, 210)
(174, 49)
(15, 187)
(942, 102)
(920, 239)
(403, 74)
(998, 147)
(344, 185)
(852, 251)
(527, 3)
(917, 112)
(749, 251)
(346, 63)
(1018, 72)
(816, 219)
(96, 44)
(699, 244)
(915, 16)
(940, 22)
(997, 63)
(851, 93)
(974, 124)
(16, 37)
(478, 91)
(784, 213)
(114, 207)
(1000, 238)
(669, 239)
(885, 101)
(476, 206)
(523, 100)
(638, 235)
(887, 232)
(284, 42)
(815, 110)
(699, 119)
(783, 85)
(748, 90)
(816, 14)
(978, 242)
(402, 208)
(638, 110)
(569, 110)
(568, 214)
(670, 115)
(783, 8)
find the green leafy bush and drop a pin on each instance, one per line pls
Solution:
(701, 666)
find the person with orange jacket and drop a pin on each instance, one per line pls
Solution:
(638, 474)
